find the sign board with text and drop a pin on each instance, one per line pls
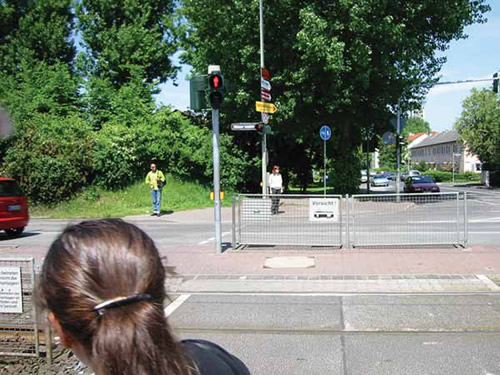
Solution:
(11, 299)
(324, 209)
(265, 107)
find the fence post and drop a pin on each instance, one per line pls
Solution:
(238, 240)
(458, 217)
(233, 224)
(348, 241)
(341, 229)
(466, 221)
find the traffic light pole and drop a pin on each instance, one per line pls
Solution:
(217, 208)
(398, 152)
(264, 136)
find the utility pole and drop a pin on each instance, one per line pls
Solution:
(398, 151)
(264, 136)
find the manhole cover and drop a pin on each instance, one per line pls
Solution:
(289, 262)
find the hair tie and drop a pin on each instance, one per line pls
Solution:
(120, 301)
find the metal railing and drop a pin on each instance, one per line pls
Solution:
(359, 220)
(294, 220)
(18, 330)
(408, 219)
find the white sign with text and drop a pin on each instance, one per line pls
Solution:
(11, 298)
(324, 209)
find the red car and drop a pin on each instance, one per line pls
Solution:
(14, 215)
(420, 184)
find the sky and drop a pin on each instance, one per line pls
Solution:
(476, 57)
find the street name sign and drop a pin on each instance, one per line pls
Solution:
(325, 133)
(243, 126)
(265, 107)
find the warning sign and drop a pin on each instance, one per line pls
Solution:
(11, 300)
(324, 209)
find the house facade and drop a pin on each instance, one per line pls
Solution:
(443, 150)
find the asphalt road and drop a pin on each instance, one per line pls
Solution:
(351, 334)
(483, 212)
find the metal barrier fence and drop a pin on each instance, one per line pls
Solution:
(360, 220)
(295, 220)
(408, 219)
(19, 334)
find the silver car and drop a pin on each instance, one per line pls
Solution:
(380, 180)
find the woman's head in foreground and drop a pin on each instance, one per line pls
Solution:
(102, 283)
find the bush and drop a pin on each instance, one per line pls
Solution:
(51, 157)
(439, 176)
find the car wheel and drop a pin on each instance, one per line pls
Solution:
(14, 232)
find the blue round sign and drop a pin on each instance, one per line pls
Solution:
(325, 133)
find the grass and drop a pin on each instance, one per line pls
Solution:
(133, 200)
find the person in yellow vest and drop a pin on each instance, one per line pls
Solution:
(155, 179)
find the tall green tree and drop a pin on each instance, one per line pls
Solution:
(415, 125)
(479, 125)
(127, 38)
(343, 63)
(36, 55)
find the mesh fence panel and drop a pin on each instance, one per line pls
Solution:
(407, 219)
(287, 220)
(19, 331)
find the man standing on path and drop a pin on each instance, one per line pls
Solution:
(276, 186)
(155, 180)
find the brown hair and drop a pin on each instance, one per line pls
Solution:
(98, 260)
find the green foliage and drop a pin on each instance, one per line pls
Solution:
(479, 125)
(327, 65)
(439, 176)
(421, 166)
(51, 157)
(387, 156)
(415, 125)
(127, 38)
(346, 175)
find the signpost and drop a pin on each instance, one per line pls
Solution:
(265, 107)
(325, 133)
(244, 126)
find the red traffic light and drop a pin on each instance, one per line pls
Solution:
(216, 82)
(259, 128)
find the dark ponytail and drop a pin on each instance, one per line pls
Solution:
(97, 261)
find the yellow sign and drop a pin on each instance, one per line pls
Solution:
(265, 107)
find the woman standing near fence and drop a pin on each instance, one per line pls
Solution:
(102, 283)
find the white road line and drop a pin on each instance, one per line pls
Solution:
(212, 238)
(488, 282)
(176, 304)
(486, 220)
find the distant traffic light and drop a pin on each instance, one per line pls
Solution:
(495, 83)
(259, 128)
(216, 84)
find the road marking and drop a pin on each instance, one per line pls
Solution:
(488, 282)
(176, 304)
(213, 238)
(486, 220)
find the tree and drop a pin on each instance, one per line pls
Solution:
(130, 38)
(415, 125)
(479, 125)
(343, 63)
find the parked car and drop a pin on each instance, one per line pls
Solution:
(403, 176)
(421, 184)
(391, 176)
(414, 173)
(14, 215)
(364, 177)
(380, 180)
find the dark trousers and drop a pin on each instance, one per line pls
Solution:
(275, 199)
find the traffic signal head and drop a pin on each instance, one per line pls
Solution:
(216, 83)
(259, 128)
(495, 83)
